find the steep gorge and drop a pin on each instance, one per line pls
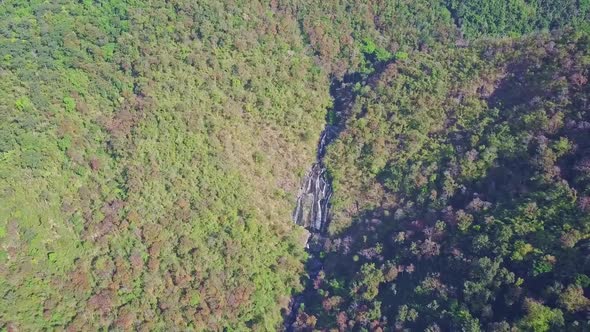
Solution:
(312, 210)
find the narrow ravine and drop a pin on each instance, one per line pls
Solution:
(312, 210)
(313, 199)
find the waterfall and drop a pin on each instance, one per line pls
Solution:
(312, 210)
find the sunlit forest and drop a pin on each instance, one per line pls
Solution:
(151, 155)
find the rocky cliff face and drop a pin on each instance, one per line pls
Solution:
(311, 210)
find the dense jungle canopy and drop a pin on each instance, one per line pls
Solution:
(151, 154)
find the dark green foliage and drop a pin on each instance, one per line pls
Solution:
(516, 17)
(350, 36)
(150, 154)
(131, 194)
(460, 193)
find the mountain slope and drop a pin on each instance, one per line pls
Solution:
(151, 152)
(460, 193)
(149, 160)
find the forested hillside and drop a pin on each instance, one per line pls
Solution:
(465, 183)
(149, 156)
(151, 153)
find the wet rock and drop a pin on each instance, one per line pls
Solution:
(311, 210)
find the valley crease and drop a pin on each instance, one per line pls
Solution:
(313, 200)
(312, 210)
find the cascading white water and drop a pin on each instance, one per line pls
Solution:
(311, 210)
(313, 199)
